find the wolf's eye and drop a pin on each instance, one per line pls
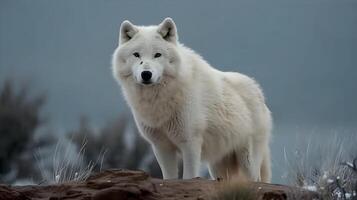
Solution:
(157, 55)
(136, 54)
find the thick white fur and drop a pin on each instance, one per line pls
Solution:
(192, 109)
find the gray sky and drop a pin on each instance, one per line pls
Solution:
(303, 52)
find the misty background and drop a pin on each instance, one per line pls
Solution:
(303, 53)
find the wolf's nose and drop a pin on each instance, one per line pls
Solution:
(146, 76)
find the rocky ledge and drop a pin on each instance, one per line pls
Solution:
(138, 185)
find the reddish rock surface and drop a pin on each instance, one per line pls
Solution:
(138, 185)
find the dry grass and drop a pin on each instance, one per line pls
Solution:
(68, 164)
(236, 191)
(327, 166)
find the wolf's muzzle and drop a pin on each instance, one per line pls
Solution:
(146, 76)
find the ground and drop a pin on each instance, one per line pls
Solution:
(138, 185)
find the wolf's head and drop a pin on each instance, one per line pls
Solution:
(147, 55)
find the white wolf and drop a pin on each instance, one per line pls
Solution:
(186, 108)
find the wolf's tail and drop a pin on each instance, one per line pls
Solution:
(265, 168)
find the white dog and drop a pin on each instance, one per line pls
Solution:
(185, 107)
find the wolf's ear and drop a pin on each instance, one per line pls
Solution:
(127, 31)
(168, 31)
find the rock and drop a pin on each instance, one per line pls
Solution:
(138, 185)
(9, 193)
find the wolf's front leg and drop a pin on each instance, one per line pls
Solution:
(191, 155)
(167, 158)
